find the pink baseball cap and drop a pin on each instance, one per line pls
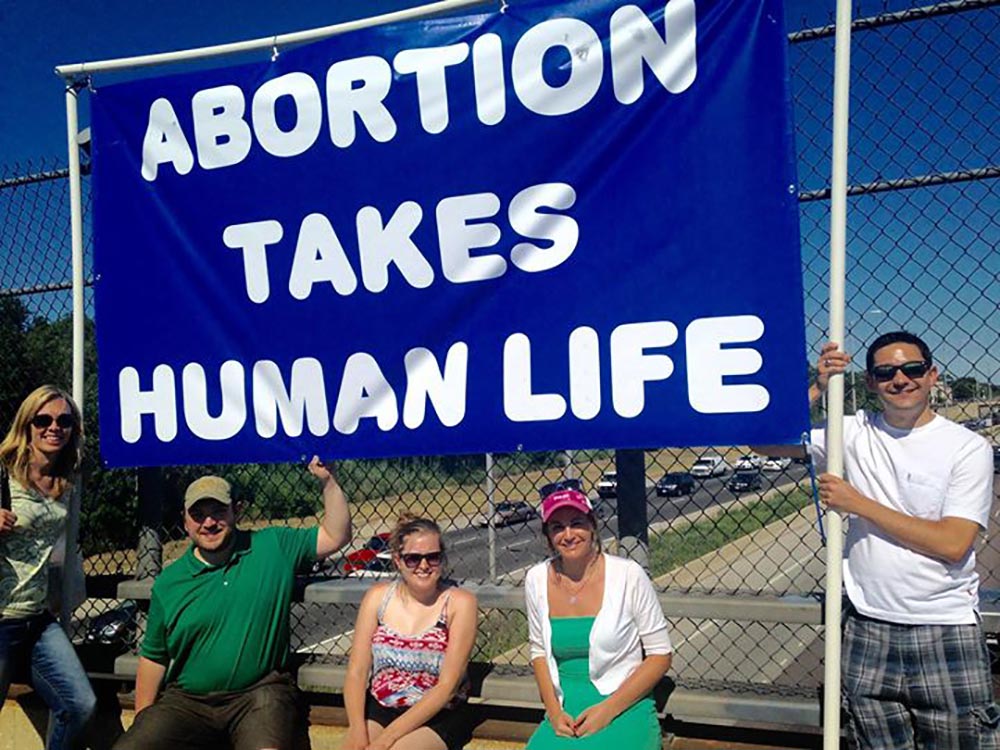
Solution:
(565, 499)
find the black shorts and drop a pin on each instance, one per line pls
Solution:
(453, 725)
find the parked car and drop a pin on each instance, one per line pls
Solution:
(563, 484)
(709, 466)
(675, 484)
(380, 566)
(745, 481)
(513, 511)
(115, 628)
(607, 485)
(359, 558)
(748, 462)
(776, 463)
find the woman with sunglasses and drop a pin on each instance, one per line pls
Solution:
(413, 636)
(598, 639)
(39, 457)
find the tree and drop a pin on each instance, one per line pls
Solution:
(964, 389)
(17, 378)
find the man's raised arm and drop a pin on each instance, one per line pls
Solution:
(335, 530)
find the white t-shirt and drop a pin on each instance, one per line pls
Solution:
(937, 470)
(629, 624)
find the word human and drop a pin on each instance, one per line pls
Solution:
(357, 92)
(300, 400)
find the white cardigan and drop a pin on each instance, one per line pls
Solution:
(629, 623)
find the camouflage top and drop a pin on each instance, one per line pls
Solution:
(25, 551)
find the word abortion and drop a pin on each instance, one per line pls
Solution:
(357, 91)
(300, 401)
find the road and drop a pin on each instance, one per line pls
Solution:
(779, 654)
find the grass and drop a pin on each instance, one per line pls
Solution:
(689, 541)
(500, 631)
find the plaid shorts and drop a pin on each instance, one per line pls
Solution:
(917, 686)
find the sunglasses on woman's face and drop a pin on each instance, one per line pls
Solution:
(412, 560)
(41, 421)
(912, 370)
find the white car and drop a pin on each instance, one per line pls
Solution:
(749, 463)
(607, 485)
(776, 463)
(709, 466)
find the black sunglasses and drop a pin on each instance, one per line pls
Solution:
(412, 559)
(217, 511)
(912, 370)
(41, 421)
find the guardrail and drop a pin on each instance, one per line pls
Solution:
(514, 686)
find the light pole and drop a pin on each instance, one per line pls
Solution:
(491, 532)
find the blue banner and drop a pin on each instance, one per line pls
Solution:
(562, 225)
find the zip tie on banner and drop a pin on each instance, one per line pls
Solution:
(503, 6)
(274, 48)
(80, 83)
(815, 487)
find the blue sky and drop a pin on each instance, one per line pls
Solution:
(40, 34)
(912, 113)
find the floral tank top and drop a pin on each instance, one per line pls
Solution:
(404, 667)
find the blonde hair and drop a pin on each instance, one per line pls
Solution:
(409, 523)
(15, 450)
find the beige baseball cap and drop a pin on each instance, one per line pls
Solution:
(208, 488)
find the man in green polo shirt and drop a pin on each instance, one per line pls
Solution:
(218, 630)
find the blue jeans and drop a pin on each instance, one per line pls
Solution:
(37, 648)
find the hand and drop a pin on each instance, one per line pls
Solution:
(840, 495)
(831, 361)
(593, 719)
(321, 471)
(562, 724)
(8, 519)
(382, 742)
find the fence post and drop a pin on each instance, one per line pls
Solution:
(633, 520)
(491, 530)
(149, 550)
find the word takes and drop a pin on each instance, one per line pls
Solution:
(462, 226)
(299, 401)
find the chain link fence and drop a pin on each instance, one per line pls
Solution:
(923, 232)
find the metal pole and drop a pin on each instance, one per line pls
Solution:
(151, 489)
(569, 470)
(491, 530)
(835, 403)
(633, 515)
(76, 235)
(264, 43)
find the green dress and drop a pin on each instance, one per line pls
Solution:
(636, 729)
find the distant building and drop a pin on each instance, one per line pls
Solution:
(941, 394)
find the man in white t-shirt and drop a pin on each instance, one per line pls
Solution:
(918, 490)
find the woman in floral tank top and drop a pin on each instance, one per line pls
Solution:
(406, 680)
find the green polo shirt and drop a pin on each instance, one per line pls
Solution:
(224, 627)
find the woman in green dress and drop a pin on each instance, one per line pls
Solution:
(598, 637)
